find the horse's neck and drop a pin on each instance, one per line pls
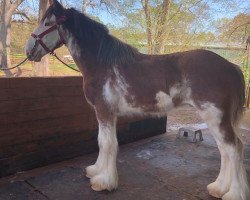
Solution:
(83, 61)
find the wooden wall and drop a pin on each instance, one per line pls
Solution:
(46, 120)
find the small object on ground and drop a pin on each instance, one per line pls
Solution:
(192, 131)
(68, 58)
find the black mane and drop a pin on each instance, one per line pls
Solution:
(94, 38)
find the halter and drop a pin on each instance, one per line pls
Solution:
(39, 37)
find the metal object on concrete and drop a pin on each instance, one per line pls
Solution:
(192, 131)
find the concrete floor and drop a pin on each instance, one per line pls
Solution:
(161, 167)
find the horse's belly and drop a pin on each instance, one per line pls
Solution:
(157, 105)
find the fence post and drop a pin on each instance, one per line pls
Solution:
(248, 95)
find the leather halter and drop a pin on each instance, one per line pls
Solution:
(39, 37)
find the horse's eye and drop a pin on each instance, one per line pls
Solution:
(47, 24)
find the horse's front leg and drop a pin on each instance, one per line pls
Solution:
(103, 174)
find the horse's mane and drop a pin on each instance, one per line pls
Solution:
(94, 38)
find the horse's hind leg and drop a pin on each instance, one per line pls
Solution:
(231, 183)
(239, 188)
(213, 117)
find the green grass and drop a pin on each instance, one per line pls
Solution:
(55, 68)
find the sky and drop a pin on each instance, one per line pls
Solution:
(217, 9)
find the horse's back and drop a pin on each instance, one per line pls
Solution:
(214, 80)
(210, 76)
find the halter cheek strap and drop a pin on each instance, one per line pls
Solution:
(39, 37)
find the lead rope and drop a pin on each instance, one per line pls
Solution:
(8, 68)
(53, 54)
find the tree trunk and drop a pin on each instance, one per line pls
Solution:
(84, 6)
(145, 5)
(4, 37)
(7, 9)
(42, 67)
(159, 47)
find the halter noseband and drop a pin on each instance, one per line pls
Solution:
(39, 37)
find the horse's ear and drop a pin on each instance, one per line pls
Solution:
(58, 8)
(53, 2)
(50, 2)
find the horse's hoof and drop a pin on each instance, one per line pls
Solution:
(230, 196)
(215, 190)
(97, 187)
(236, 194)
(103, 182)
(91, 171)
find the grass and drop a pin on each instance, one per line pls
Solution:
(55, 68)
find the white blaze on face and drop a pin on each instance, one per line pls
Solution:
(50, 40)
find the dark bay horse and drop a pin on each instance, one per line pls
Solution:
(118, 81)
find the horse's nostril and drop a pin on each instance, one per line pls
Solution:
(27, 53)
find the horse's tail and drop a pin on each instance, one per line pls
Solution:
(237, 107)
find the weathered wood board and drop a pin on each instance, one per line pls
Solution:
(46, 120)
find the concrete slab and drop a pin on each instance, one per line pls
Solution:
(158, 168)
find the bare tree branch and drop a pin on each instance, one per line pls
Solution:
(15, 4)
(235, 28)
(22, 13)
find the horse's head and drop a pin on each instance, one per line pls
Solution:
(48, 35)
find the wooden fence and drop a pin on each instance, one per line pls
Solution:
(46, 120)
(248, 95)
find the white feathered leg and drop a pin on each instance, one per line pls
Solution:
(104, 173)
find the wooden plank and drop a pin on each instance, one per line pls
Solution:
(42, 92)
(45, 120)
(12, 118)
(54, 149)
(35, 130)
(58, 141)
(41, 103)
(33, 82)
(4, 83)
(26, 159)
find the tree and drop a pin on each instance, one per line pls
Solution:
(235, 30)
(8, 8)
(97, 4)
(163, 21)
(42, 67)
